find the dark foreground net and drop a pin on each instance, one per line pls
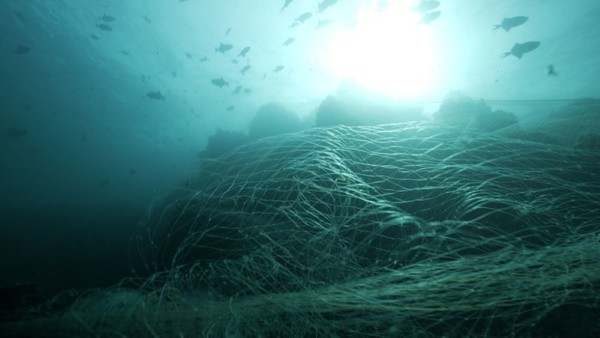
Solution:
(402, 230)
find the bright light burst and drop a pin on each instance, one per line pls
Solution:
(387, 51)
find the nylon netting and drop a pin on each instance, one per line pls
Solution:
(396, 230)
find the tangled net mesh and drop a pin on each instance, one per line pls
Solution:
(396, 230)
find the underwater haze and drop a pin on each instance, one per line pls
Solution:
(113, 112)
(96, 138)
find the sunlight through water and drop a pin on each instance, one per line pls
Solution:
(388, 51)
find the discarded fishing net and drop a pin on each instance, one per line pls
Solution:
(412, 230)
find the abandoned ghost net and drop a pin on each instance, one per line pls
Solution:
(396, 230)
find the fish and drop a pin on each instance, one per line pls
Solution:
(237, 89)
(326, 4)
(22, 50)
(430, 17)
(107, 18)
(426, 5)
(245, 69)
(286, 4)
(189, 55)
(125, 52)
(278, 69)
(323, 23)
(551, 71)
(521, 48)
(16, 132)
(227, 31)
(302, 18)
(104, 27)
(223, 47)
(94, 37)
(219, 82)
(147, 19)
(230, 108)
(155, 95)
(508, 23)
(244, 51)
(288, 42)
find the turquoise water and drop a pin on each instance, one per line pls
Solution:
(111, 109)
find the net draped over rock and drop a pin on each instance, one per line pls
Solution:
(396, 230)
(413, 202)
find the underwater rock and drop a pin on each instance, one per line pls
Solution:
(273, 119)
(459, 110)
(222, 141)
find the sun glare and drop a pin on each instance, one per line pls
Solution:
(387, 51)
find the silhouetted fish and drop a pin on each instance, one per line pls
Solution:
(326, 4)
(223, 47)
(323, 23)
(551, 71)
(219, 82)
(104, 27)
(509, 23)
(430, 17)
(230, 108)
(107, 18)
(203, 59)
(278, 69)
(288, 42)
(521, 48)
(244, 51)
(237, 89)
(22, 50)
(16, 132)
(302, 18)
(155, 95)
(227, 31)
(245, 69)
(94, 36)
(285, 4)
(426, 6)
